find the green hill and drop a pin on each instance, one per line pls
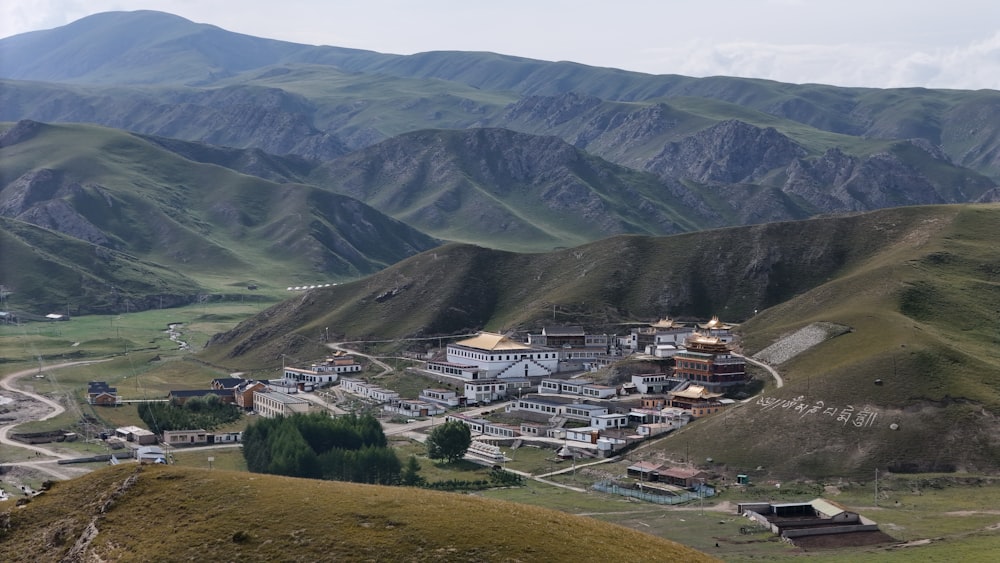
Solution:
(160, 513)
(209, 223)
(921, 351)
(508, 190)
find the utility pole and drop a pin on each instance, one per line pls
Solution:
(876, 486)
(701, 496)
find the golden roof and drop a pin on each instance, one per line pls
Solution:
(696, 392)
(700, 338)
(715, 323)
(492, 341)
(666, 323)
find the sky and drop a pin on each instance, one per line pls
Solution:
(875, 43)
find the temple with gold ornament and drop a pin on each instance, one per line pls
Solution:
(698, 400)
(715, 327)
(661, 338)
(708, 361)
(490, 355)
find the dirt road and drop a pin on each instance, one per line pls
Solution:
(54, 409)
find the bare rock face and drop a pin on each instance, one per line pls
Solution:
(58, 215)
(837, 182)
(730, 152)
(42, 197)
(28, 190)
(552, 110)
(20, 132)
(992, 196)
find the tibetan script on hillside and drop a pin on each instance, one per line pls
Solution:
(863, 418)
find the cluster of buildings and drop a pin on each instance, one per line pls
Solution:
(699, 368)
(698, 352)
(267, 398)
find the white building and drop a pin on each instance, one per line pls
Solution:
(495, 356)
(271, 404)
(368, 391)
(611, 420)
(412, 408)
(575, 387)
(444, 397)
(325, 372)
(654, 383)
(485, 427)
(485, 391)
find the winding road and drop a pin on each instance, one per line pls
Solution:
(778, 381)
(57, 409)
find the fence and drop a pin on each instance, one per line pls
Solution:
(615, 489)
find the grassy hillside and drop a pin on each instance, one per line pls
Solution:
(51, 272)
(128, 194)
(133, 513)
(727, 272)
(507, 190)
(922, 319)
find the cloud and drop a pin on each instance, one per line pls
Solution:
(889, 65)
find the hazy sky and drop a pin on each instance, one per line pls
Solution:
(881, 43)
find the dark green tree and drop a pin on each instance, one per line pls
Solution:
(449, 441)
(410, 476)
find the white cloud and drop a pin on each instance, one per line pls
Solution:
(888, 65)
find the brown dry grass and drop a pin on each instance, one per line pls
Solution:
(173, 513)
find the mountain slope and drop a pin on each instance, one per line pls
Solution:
(50, 272)
(127, 194)
(143, 513)
(505, 190)
(915, 289)
(919, 355)
(455, 288)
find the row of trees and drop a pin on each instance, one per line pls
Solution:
(353, 448)
(346, 448)
(208, 413)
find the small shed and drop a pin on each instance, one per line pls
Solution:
(645, 471)
(150, 454)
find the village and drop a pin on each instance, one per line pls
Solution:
(549, 392)
(539, 391)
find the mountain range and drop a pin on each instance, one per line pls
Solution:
(497, 151)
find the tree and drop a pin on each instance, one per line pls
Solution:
(449, 441)
(410, 476)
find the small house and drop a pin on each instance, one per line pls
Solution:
(99, 393)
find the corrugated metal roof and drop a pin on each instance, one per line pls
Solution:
(826, 508)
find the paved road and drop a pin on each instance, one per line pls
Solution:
(779, 382)
(57, 409)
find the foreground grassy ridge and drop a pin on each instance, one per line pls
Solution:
(171, 513)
